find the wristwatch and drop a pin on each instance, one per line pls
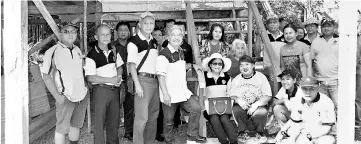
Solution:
(309, 137)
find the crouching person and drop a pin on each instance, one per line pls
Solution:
(217, 88)
(251, 92)
(171, 71)
(63, 76)
(103, 69)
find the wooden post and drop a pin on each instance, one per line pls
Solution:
(39, 4)
(16, 72)
(347, 71)
(85, 44)
(269, 49)
(250, 29)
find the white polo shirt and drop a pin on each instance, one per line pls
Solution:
(65, 65)
(136, 54)
(171, 64)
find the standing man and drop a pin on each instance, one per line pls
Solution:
(123, 33)
(103, 69)
(171, 71)
(63, 76)
(311, 26)
(142, 54)
(324, 52)
(159, 35)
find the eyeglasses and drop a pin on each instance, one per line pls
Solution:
(220, 64)
(69, 32)
(308, 88)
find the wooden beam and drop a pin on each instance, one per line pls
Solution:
(217, 20)
(41, 21)
(347, 71)
(250, 29)
(269, 49)
(16, 72)
(61, 10)
(39, 4)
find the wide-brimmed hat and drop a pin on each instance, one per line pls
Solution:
(226, 61)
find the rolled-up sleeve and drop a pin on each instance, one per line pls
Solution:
(90, 67)
(162, 65)
(47, 60)
(119, 61)
(132, 53)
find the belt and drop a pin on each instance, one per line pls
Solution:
(147, 75)
(107, 86)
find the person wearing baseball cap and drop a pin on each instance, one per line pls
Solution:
(317, 113)
(63, 76)
(289, 90)
(324, 53)
(311, 26)
(141, 60)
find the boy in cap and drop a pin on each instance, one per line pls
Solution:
(103, 69)
(63, 76)
(324, 53)
(311, 26)
(317, 112)
(142, 55)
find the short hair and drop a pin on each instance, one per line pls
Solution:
(122, 23)
(99, 26)
(175, 27)
(210, 34)
(159, 29)
(246, 58)
(290, 26)
(169, 20)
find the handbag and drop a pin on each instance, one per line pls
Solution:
(220, 105)
(273, 125)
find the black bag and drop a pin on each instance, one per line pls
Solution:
(220, 105)
(130, 82)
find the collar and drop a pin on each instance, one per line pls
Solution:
(64, 46)
(254, 73)
(306, 37)
(142, 37)
(293, 93)
(318, 97)
(279, 34)
(171, 48)
(97, 49)
(210, 75)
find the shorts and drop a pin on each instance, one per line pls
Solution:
(70, 114)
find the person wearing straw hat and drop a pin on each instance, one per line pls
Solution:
(251, 92)
(217, 86)
(63, 76)
(171, 72)
(142, 55)
(311, 26)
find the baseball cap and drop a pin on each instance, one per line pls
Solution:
(311, 21)
(66, 24)
(308, 81)
(146, 14)
(272, 17)
(328, 21)
(288, 72)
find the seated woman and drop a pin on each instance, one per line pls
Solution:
(215, 42)
(239, 48)
(289, 90)
(217, 84)
(251, 92)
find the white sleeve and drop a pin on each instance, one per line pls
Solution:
(119, 61)
(47, 60)
(266, 88)
(162, 65)
(132, 52)
(90, 67)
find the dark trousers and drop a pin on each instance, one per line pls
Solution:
(192, 106)
(358, 101)
(106, 101)
(160, 121)
(128, 106)
(255, 122)
(223, 128)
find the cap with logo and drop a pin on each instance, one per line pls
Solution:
(308, 81)
(289, 72)
(146, 14)
(66, 24)
(328, 21)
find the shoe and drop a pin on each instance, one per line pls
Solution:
(198, 139)
(243, 136)
(128, 136)
(262, 137)
(160, 138)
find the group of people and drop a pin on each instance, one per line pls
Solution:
(146, 73)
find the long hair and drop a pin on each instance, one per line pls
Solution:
(210, 35)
